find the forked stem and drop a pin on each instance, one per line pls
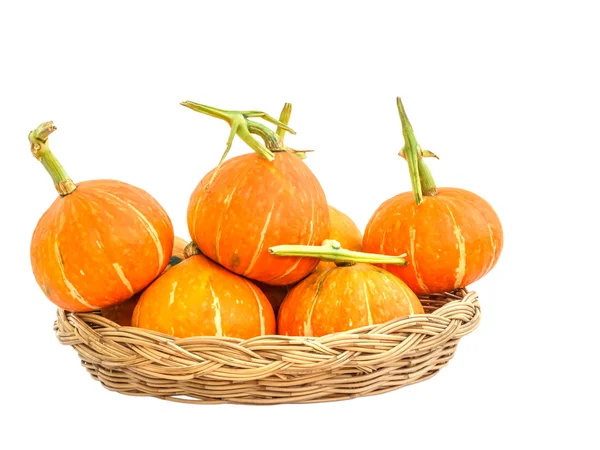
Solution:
(332, 251)
(40, 149)
(244, 128)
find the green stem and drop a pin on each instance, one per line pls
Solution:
(332, 251)
(40, 149)
(284, 118)
(420, 175)
(243, 127)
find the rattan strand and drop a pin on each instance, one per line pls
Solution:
(272, 369)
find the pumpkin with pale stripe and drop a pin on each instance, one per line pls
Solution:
(350, 295)
(254, 201)
(198, 297)
(452, 236)
(100, 242)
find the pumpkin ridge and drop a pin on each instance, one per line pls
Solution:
(471, 201)
(261, 242)
(149, 228)
(314, 300)
(260, 307)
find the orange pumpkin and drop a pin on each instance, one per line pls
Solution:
(453, 237)
(198, 297)
(344, 230)
(275, 294)
(344, 297)
(121, 312)
(254, 201)
(100, 242)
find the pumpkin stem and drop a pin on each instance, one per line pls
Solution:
(420, 175)
(332, 251)
(243, 127)
(191, 249)
(284, 118)
(40, 149)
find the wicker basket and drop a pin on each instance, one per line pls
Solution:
(272, 369)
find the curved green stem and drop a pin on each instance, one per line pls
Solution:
(332, 251)
(40, 149)
(420, 175)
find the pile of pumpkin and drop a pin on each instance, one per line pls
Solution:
(268, 254)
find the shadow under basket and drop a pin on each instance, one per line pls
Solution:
(272, 369)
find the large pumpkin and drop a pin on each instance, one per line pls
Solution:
(254, 201)
(100, 242)
(198, 297)
(344, 297)
(452, 236)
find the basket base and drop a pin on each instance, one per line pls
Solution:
(269, 370)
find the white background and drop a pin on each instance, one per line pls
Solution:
(506, 93)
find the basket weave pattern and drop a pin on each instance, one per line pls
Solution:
(272, 369)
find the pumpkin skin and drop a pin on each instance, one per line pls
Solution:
(121, 312)
(452, 239)
(198, 297)
(100, 245)
(253, 204)
(343, 298)
(344, 230)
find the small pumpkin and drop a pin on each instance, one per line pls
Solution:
(343, 230)
(275, 294)
(257, 200)
(100, 242)
(198, 297)
(350, 295)
(453, 236)
(121, 312)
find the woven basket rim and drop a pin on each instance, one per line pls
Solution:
(95, 317)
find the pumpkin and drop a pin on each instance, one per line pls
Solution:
(275, 294)
(100, 242)
(256, 200)
(121, 312)
(453, 236)
(350, 295)
(344, 230)
(198, 297)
